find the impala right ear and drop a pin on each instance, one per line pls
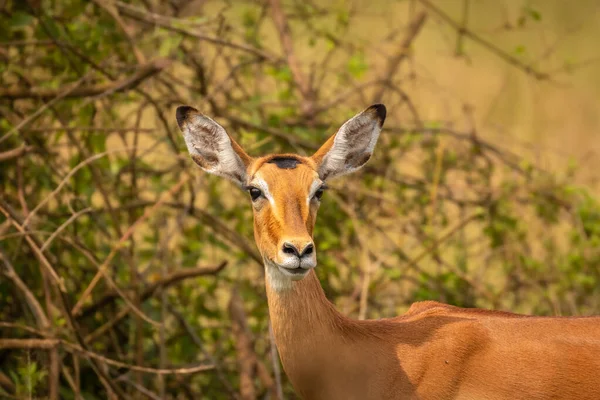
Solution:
(351, 147)
(211, 147)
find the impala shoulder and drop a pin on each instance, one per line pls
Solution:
(421, 306)
(439, 346)
(442, 325)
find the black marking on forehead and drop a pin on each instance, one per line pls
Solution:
(285, 162)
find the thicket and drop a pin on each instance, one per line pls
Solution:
(126, 272)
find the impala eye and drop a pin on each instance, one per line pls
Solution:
(319, 192)
(254, 193)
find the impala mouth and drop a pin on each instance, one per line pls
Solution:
(297, 272)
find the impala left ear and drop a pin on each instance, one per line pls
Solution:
(351, 147)
(211, 147)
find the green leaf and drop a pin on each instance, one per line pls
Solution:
(20, 20)
(533, 13)
(357, 65)
(168, 44)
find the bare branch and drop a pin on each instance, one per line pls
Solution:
(15, 153)
(28, 343)
(165, 282)
(123, 239)
(467, 33)
(243, 345)
(149, 18)
(394, 62)
(285, 37)
(34, 305)
(141, 74)
(110, 8)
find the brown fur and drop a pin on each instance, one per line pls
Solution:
(434, 351)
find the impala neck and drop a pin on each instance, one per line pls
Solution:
(299, 311)
(306, 327)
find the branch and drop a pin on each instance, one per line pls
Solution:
(143, 72)
(281, 135)
(214, 223)
(164, 283)
(505, 56)
(243, 346)
(153, 19)
(28, 343)
(36, 308)
(285, 37)
(104, 266)
(114, 13)
(15, 153)
(119, 364)
(393, 63)
(194, 337)
(16, 221)
(6, 383)
(249, 363)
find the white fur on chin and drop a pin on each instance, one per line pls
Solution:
(278, 280)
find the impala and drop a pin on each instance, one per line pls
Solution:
(434, 351)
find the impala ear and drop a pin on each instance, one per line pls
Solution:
(211, 147)
(351, 147)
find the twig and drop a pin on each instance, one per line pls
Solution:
(275, 362)
(64, 181)
(28, 343)
(15, 153)
(111, 283)
(26, 43)
(142, 73)
(393, 63)
(90, 129)
(192, 334)
(243, 346)
(52, 343)
(113, 11)
(15, 220)
(139, 388)
(149, 18)
(54, 234)
(6, 383)
(284, 136)
(34, 305)
(465, 19)
(439, 162)
(56, 97)
(285, 37)
(102, 269)
(467, 33)
(413, 262)
(163, 283)
(119, 364)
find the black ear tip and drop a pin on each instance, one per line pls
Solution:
(380, 111)
(182, 113)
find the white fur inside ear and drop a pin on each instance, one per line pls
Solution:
(210, 147)
(352, 146)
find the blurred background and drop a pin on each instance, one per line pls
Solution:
(128, 273)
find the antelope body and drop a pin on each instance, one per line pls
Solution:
(434, 351)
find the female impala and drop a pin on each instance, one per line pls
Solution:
(435, 351)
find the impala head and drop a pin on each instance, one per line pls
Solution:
(285, 189)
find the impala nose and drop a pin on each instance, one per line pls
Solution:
(294, 249)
